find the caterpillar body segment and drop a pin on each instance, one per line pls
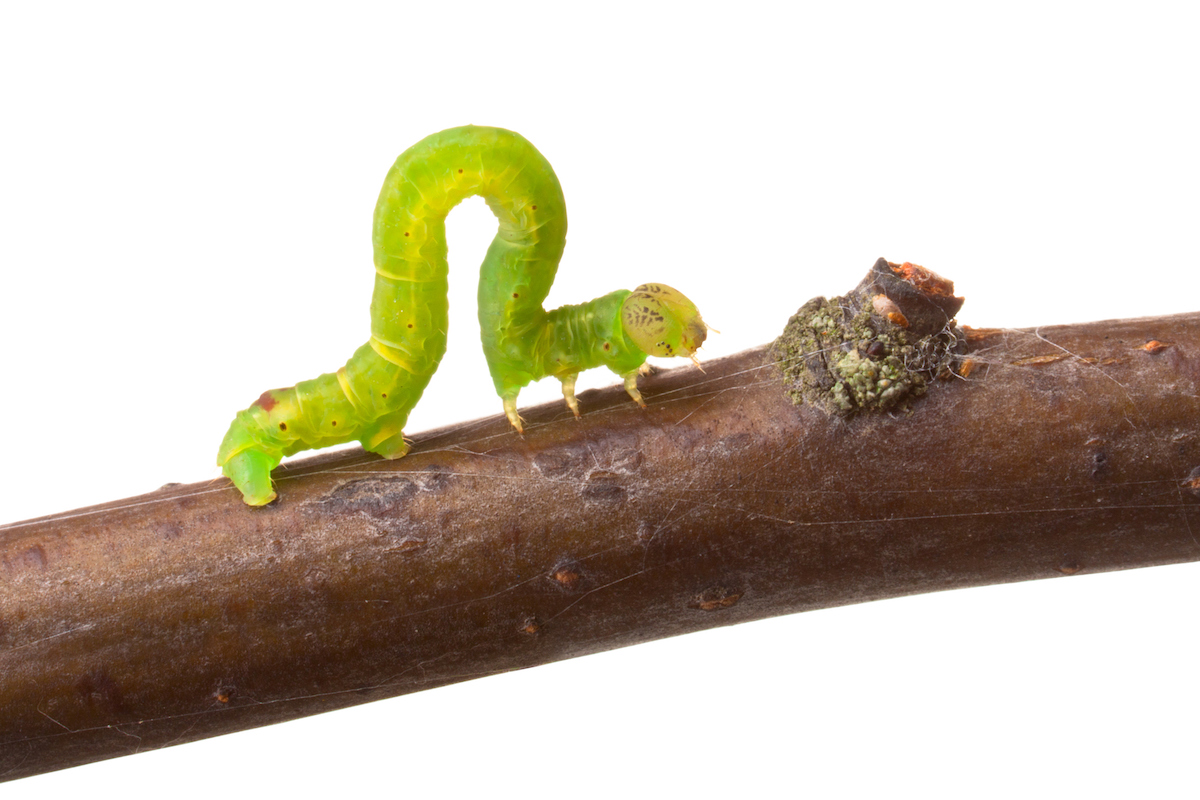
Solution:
(562, 344)
(369, 399)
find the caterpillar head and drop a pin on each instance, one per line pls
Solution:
(662, 322)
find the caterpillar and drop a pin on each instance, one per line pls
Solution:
(369, 399)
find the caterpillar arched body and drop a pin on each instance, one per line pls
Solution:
(369, 399)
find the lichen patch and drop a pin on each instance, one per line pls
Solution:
(841, 355)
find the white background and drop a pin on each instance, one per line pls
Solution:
(185, 203)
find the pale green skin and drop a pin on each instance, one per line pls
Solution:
(369, 399)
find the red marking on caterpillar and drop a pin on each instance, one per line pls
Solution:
(266, 401)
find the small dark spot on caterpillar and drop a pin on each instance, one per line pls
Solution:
(283, 426)
(515, 295)
(534, 208)
(333, 422)
(406, 233)
(384, 395)
(410, 324)
(607, 346)
(460, 171)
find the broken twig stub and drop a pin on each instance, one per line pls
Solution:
(877, 348)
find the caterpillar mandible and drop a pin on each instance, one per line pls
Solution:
(369, 399)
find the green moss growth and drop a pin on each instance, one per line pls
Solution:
(840, 356)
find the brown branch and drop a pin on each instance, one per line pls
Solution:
(183, 614)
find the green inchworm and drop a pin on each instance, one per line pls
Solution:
(369, 399)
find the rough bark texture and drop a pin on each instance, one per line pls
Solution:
(184, 614)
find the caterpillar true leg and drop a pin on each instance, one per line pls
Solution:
(369, 399)
(510, 411)
(631, 388)
(568, 390)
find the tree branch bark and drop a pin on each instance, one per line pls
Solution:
(183, 614)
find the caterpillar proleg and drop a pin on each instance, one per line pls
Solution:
(369, 399)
